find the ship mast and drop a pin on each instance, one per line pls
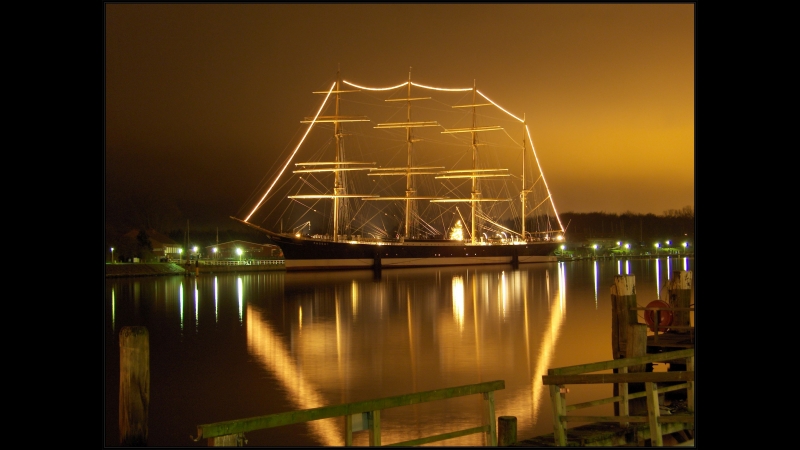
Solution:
(339, 164)
(409, 171)
(475, 173)
(523, 192)
(476, 193)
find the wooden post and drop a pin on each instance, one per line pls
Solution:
(374, 419)
(506, 431)
(653, 412)
(637, 346)
(559, 401)
(623, 314)
(680, 296)
(134, 386)
(623, 299)
(230, 440)
(491, 434)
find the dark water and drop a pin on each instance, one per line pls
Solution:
(232, 346)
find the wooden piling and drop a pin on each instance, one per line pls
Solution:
(134, 386)
(680, 296)
(637, 346)
(506, 431)
(623, 303)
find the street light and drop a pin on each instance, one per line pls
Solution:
(657, 248)
(194, 250)
(215, 252)
(112, 255)
(180, 256)
(594, 251)
(239, 252)
(684, 247)
(628, 249)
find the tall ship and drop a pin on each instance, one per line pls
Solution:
(459, 184)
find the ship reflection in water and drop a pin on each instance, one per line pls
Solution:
(261, 343)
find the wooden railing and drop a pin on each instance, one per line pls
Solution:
(364, 415)
(558, 378)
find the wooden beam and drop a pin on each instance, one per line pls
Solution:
(325, 412)
(599, 378)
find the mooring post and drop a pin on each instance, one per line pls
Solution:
(637, 346)
(134, 385)
(506, 430)
(623, 315)
(680, 296)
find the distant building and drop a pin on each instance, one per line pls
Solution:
(163, 246)
(250, 250)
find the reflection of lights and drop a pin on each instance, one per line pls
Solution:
(300, 317)
(241, 297)
(504, 294)
(548, 343)
(354, 298)
(180, 304)
(113, 310)
(196, 306)
(216, 299)
(458, 301)
(270, 350)
(596, 282)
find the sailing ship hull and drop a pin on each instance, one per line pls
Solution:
(316, 254)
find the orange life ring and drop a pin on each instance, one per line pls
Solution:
(665, 316)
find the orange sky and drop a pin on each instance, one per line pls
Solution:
(201, 98)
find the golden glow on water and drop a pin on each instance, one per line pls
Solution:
(503, 295)
(547, 344)
(268, 347)
(458, 301)
(330, 355)
(354, 298)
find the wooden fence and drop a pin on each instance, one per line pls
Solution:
(363, 415)
(558, 378)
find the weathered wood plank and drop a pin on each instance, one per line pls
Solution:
(599, 378)
(617, 363)
(325, 412)
(134, 386)
(440, 437)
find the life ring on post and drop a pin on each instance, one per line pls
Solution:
(665, 316)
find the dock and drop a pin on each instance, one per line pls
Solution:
(650, 408)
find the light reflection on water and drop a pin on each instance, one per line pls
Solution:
(272, 342)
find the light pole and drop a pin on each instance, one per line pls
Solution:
(684, 247)
(194, 250)
(628, 249)
(657, 249)
(239, 252)
(594, 251)
(180, 256)
(112, 255)
(215, 252)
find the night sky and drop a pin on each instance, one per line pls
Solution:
(202, 99)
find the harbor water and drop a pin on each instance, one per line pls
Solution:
(231, 346)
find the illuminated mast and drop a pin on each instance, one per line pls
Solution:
(338, 165)
(409, 227)
(475, 173)
(523, 193)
